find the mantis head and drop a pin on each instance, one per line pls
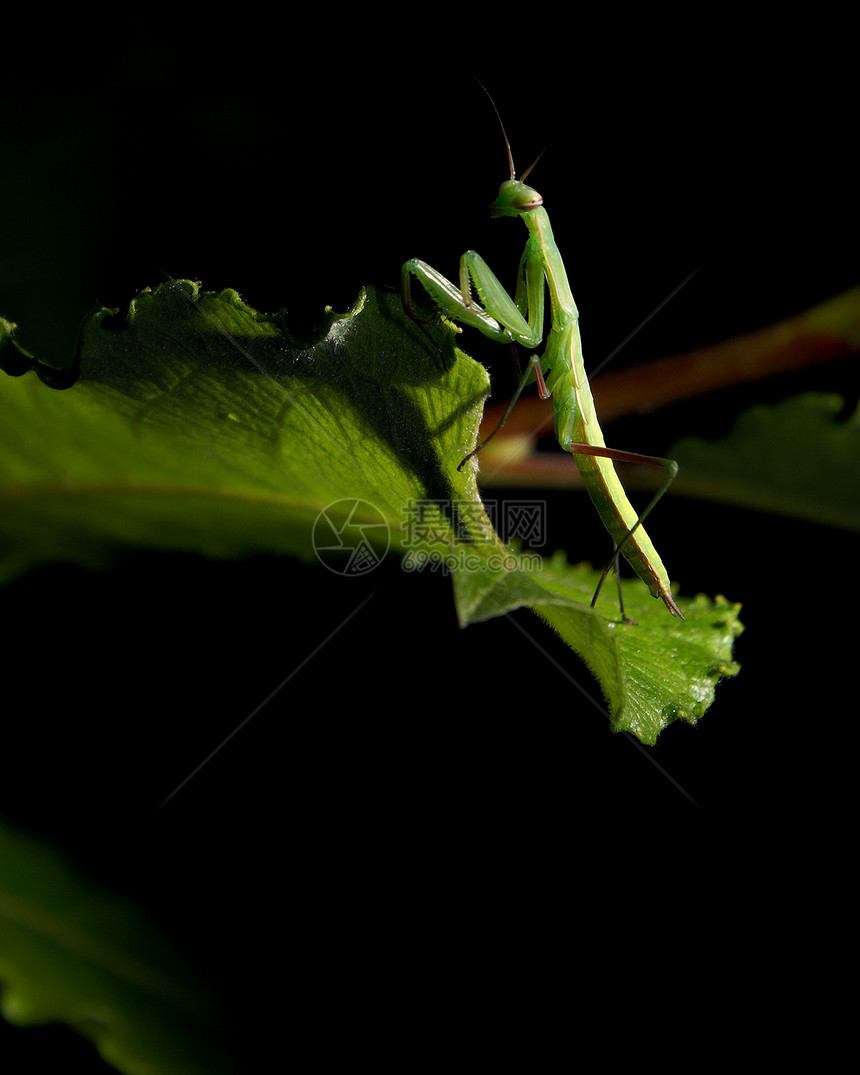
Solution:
(515, 198)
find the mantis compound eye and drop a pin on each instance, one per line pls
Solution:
(526, 198)
(515, 197)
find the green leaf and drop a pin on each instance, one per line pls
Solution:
(71, 952)
(798, 458)
(199, 424)
(652, 673)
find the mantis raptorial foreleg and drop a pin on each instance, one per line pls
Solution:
(559, 372)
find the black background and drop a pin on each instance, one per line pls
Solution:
(413, 787)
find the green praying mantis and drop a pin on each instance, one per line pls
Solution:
(559, 372)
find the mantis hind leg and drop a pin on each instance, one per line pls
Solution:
(621, 520)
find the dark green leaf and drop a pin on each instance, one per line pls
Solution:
(73, 953)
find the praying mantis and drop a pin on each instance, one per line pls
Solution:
(559, 372)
